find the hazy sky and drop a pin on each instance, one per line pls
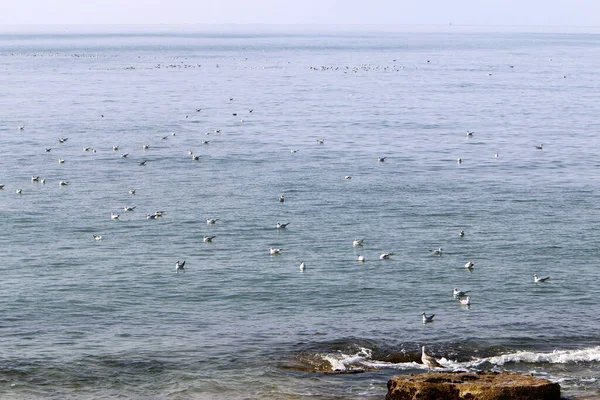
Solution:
(576, 13)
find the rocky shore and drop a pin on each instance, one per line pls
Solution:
(471, 386)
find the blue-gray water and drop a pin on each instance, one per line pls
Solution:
(101, 319)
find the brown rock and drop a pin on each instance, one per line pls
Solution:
(471, 386)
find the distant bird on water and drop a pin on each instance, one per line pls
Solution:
(97, 237)
(459, 293)
(381, 159)
(537, 279)
(208, 239)
(427, 318)
(461, 233)
(465, 301)
(302, 266)
(540, 147)
(357, 242)
(429, 361)
(360, 258)
(210, 221)
(282, 226)
(114, 216)
(385, 256)
(273, 251)
(281, 199)
(469, 265)
(179, 266)
(437, 252)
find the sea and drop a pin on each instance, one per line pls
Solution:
(82, 318)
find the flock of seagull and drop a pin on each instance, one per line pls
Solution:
(463, 297)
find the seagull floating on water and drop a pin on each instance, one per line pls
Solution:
(540, 147)
(360, 258)
(210, 221)
(470, 133)
(437, 252)
(142, 162)
(281, 199)
(63, 139)
(537, 279)
(126, 208)
(63, 183)
(465, 301)
(179, 266)
(282, 226)
(114, 215)
(86, 148)
(2, 186)
(208, 239)
(61, 161)
(429, 361)
(320, 141)
(124, 155)
(385, 256)
(427, 318)
(35, 178)
(469, 265)
(381, 159)
(115, 147)
(152, 216)
(293, 151)
(132, 191)
(145, 146)
(347, 177)
(19, 191)
(21, 127)
(461, 233)
(302, 266)
(357, 242)
(48, 149)
(274, 251)
(459, 293)
(97, 237)
(195, 158)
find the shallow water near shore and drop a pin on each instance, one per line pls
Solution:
(112, 318)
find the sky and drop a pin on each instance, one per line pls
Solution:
(559, 13)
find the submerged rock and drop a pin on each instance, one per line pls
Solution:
(471, 386)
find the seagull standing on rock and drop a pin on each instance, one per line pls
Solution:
(429, 361)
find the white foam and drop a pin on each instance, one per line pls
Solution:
(341, 362)
(591, 354)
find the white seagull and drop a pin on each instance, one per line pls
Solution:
(429, 361)
(437, 252)
(126, 208)
(293, 151)
(61, 161)
(465, 301)
(124, 155)
(320, 141)
(461, 233)
(97, 237)
(540, 147)
(281, 199)
(114, 215)
(2, 186)
(427, 318)
(63, 183)
(357, 242)
(360, 258)
(537, 279)
(469, 265)
(208, 239)
(459, 293)
(115, 147)
(35, 178)
(145, 146)
(347, 177)
(385, 256)
(459, 160)
(302, 266)
(179, 266)
(132, 191)
(282, 226)
(152, 216)
(210, 221)
(195, 158)
(381, 159)
(19, 191)
(273, 251)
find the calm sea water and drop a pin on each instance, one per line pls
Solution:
(112, 318)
